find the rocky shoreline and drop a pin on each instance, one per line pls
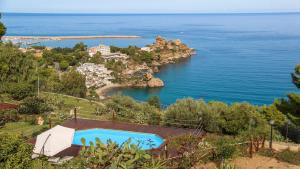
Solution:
(142, 75)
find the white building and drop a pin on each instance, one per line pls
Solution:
(96, 75)
(147, 49)
(116, 56)
(103, 49)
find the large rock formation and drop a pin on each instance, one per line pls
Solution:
(142, 63)
(169, 51)
(155, 82)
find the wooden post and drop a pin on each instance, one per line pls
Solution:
(263, 142)
(75, 114)
(50, 123)
(166, 150)
(257, 145)
(113, 116)
(271, 138)
(251, 149)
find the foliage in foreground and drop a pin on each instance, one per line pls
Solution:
(225, 165)
(111, 155)
(15, 153)
(292, 157)
(215, 116)
(289, 156)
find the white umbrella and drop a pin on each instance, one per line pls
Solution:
(54, 140)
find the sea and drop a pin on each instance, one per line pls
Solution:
(239, 57)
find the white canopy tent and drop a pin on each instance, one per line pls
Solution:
(54, 140)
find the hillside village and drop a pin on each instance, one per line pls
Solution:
(134, 72)
(107, 66)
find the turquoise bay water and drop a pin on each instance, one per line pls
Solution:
(146, 141)
(240, 57)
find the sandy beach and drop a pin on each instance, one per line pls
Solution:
(102, 92)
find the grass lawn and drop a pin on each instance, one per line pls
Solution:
(24, 128)
(86, 108)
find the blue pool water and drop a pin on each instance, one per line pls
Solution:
(240, 57)
(145, 140)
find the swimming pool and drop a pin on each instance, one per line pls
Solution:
(146, 141)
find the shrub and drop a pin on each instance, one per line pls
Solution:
(237, 118)
(189, 149)
(63, 65)
(35, 105)
(224, 149)
(271, 113)
(154, 116)
(267, 152)
(191, 113)
(111, 155)
(19, 91)
(8, 116)
(97, 59)
(289, 156)
(225, 165)
(38, 47)
(154, 101)
(15, 153)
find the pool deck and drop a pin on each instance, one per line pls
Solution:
(165, 132)
(83, 124)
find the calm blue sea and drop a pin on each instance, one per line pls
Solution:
(240, 57)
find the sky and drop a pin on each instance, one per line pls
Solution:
(149, 6)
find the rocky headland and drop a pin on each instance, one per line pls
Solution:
(136, 67)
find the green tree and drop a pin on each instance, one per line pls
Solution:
(224, 148)
(296, 76)
(15, 153)
(15, 66)
(152, 114)
(73, 83)
(2, 29)
(192, 114)
(19, 91)
(80, 47)
(272, 113)
(49, 80)
(154, 101)
(97, 59)
(64, 65)
(35, 105)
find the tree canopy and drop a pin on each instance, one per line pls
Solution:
(2, 29)
(73, 83)
(15, 66)
(296, 76)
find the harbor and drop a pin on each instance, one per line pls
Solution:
(65, 37)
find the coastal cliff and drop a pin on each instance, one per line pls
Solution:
(161, 52)
(131, 66)
(169, 51)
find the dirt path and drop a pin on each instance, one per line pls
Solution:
(257, 162)
(280, 146)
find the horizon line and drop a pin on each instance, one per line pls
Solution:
(171, 13)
